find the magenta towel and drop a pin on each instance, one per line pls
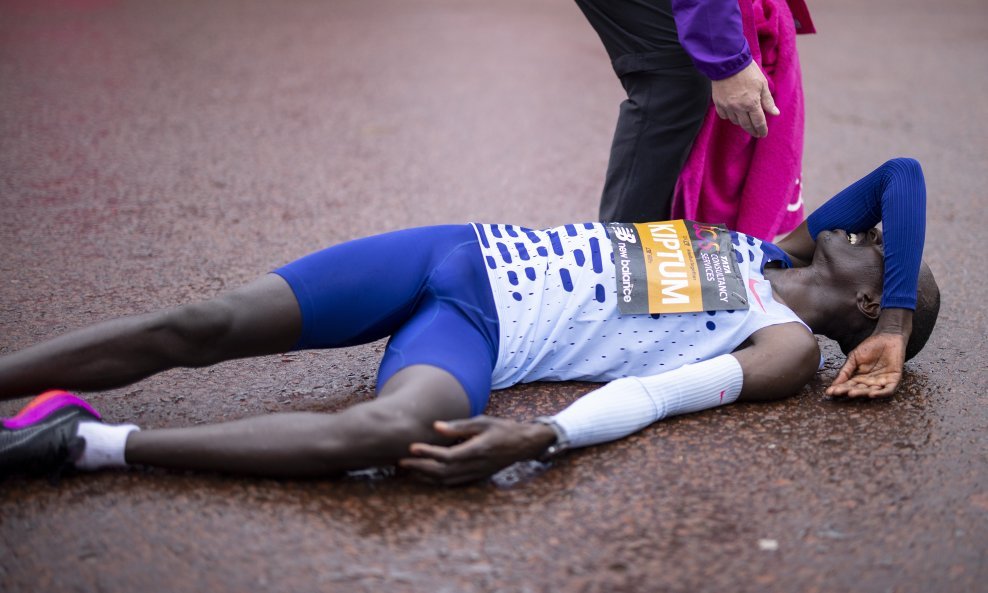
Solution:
(752, 185)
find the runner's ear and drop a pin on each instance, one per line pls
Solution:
(868, 305)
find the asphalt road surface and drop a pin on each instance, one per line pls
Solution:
(157, 152)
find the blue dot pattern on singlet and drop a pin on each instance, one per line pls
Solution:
(558, 315)
(521, 249)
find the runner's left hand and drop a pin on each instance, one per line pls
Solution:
(873, 369)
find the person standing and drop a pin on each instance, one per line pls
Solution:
(672, 57)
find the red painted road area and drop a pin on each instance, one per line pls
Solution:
(157, 152)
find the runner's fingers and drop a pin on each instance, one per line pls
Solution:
(853, 389)
(420, 468)
(427, 470)
(433, 471)
(860, 392)
(886, 391)
(871, 389)
(463, 428)
(846, 371)
(472, 448)
(846, 381)
(436, 452)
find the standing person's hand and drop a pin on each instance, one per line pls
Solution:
(745, 100)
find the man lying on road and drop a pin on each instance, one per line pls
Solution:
(470, 308)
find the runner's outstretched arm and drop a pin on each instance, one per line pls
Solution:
(779, 362)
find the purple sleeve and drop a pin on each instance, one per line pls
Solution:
(712, 34)
(894, 194)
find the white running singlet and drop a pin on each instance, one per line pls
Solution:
(557, 310)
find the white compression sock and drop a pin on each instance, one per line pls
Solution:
(105, 445)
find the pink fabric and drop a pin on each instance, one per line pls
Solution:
(752, 185)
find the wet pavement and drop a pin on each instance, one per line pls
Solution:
(152, 153)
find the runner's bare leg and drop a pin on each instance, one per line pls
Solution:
(373, 433)
(259, 318)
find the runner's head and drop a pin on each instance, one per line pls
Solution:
(924, 317)
(856, 264)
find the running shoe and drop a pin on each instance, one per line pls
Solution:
(41, 438)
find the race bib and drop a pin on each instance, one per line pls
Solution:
(675, 266)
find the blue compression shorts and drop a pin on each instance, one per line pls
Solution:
(426, 287)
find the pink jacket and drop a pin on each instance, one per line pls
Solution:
(752, 185)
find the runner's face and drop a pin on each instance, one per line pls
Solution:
(854, 255)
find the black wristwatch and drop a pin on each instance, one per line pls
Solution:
(561, 444)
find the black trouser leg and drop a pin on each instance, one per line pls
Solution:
(655, 130)
(667, 100)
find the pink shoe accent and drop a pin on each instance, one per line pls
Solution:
(45, 404)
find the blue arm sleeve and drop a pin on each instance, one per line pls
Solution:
(894, 194)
